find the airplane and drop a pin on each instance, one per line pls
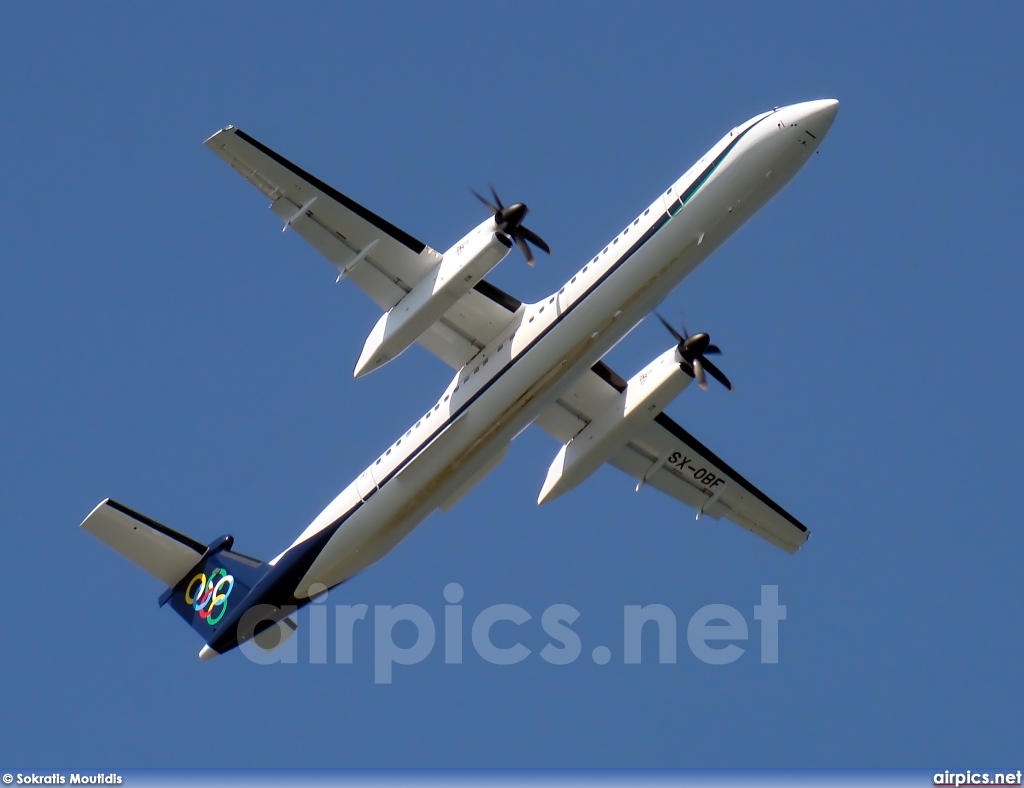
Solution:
(515, 364)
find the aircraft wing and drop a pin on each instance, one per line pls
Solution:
(665, 456)
(382, 260)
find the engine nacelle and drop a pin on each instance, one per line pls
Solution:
(645, 396)
(460, 269)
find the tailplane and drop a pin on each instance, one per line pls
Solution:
(203, 581)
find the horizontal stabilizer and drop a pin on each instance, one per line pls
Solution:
(203, 581)
(161, 551)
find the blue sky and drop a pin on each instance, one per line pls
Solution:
(165, 345)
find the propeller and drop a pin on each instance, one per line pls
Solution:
(693, 351)
(510, 222)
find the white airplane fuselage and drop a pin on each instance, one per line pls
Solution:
(551, 343)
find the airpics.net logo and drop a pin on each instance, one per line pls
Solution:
(976, 778)
(716, 634)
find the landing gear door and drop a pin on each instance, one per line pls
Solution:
(366, 485)
(672, 202)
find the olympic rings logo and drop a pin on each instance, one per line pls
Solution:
(209, 595)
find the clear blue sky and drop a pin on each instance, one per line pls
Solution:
(165, 345)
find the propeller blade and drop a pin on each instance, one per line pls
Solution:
(671, 330)
(497, 199)
(533, 238)
(698, 372)
(509, 222)
(525, 249)
(712, 349)
(717, 374)
(484, 201)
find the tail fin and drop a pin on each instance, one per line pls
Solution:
(203, 580)
(220, 579)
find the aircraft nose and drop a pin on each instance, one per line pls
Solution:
(819, 115)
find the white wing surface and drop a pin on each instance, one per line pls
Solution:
(665, 456)
(382, 260)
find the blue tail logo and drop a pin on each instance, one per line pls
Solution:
(209, 595)
(212, 591)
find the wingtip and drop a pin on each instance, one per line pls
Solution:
(95, 509)
(212, 137)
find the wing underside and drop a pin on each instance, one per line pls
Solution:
(665, 456)
(384, 261)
